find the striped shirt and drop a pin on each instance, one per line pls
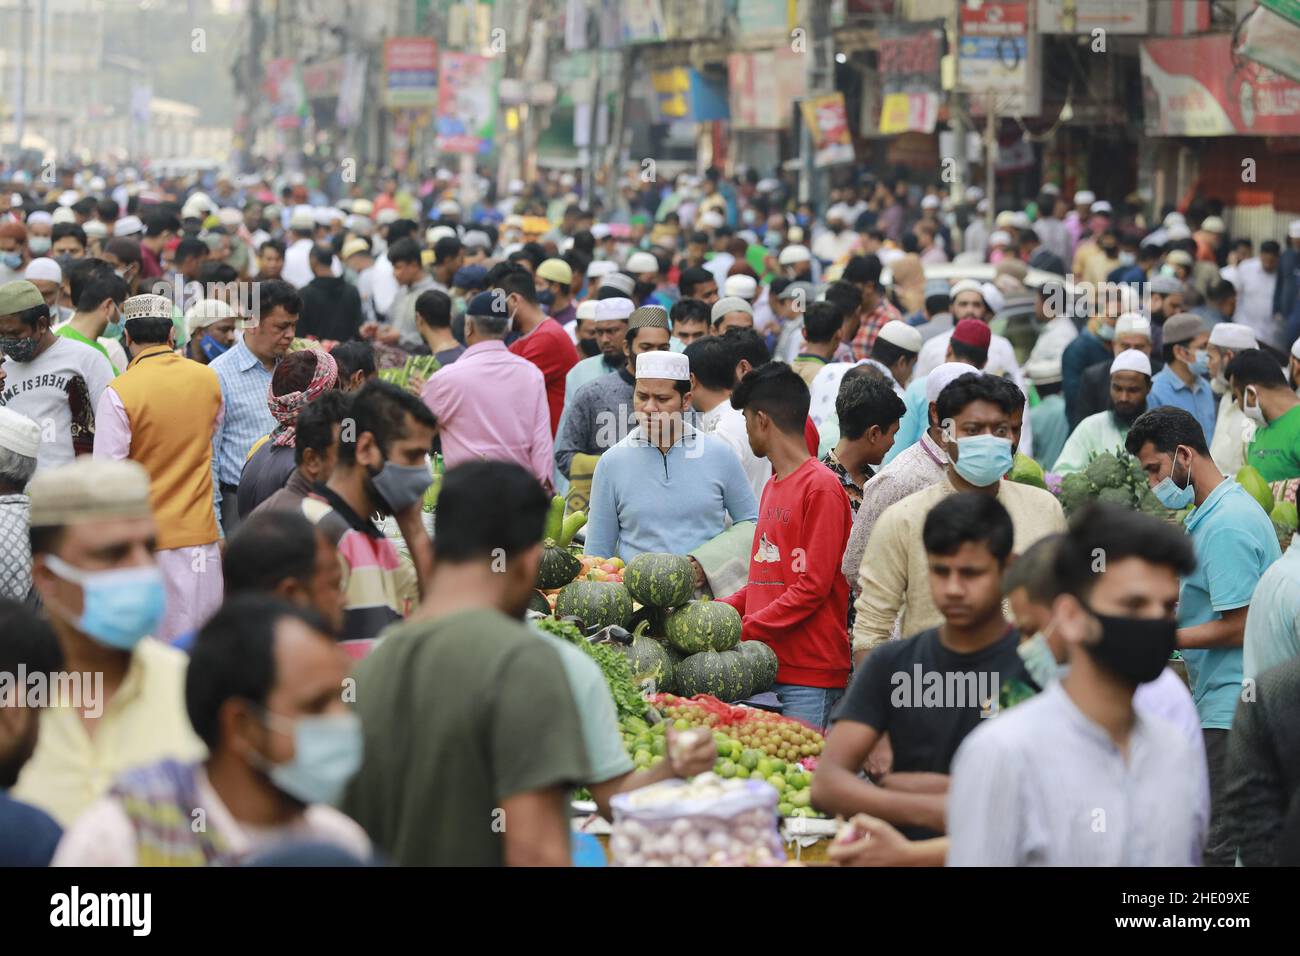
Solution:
(1043, 785)
(370, 565)
(245, 384)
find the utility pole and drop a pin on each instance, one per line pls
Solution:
(991, 159)
(819, 79)
(20, 104)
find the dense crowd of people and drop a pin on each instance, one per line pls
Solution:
(275, 464)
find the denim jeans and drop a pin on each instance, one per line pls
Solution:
(812, 705)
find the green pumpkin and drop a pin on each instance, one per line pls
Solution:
(557, 568)
(660, 580)
(596, 603)
(539, 603)
(704, 626)
(649, 658)
(721, 674)
(761, 662)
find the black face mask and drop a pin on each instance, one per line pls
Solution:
(1134, 649)
(589, 347)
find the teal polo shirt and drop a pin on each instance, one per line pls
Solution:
(1234, 543)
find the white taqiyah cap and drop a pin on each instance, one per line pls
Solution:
(1131, 360)
(600, 267)
(999, 237)
(600, 231)
(19, 434)
(128, 226)
(711, 219)
(931, 202)
(746, 287)
(901, 334)
(670, 365)
(727, 305)
(63, 214)
(942, 376)
(40, 218)
(1233, 335)
(610, 310)
(1133, 323)
(588, 309)
(93, 228)
(44, 269)
(639, 262)
(965, 285)
(1085, 197)
(387, 216)
(792, 254)
(434, 233)
(1295, 348)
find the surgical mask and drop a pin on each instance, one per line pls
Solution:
(1039, 660)
(1169, 494)
(983, 459)
(327, 752)
(39, 245)
(13, 260)
(118, 607)
(1254, 412)
(1127, 258)
(1201, 364)
(211, 347)
(1106, 332)
(546, 298)
(114, 329)
(1134, 649)
(401, 486)
(20, 350)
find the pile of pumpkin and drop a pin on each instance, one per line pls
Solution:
(684, 646)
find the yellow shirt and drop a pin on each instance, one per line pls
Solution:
(144, 722)
(895, 576)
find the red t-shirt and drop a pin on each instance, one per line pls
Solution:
(549, 348)
(796, 596)
(812, 438)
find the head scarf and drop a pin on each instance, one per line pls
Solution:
(285, 408)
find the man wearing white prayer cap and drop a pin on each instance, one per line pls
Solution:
(731, 312)
(1232, 429)
(47, 276)
(128, 226)
(20, 440)
(919, 466)
(1130, 384)
(665, 487)
(610, 316)
(741, 286)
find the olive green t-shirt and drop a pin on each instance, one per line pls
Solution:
(459, 714)
(1275, 452)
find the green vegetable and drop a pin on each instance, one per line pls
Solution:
(649, 659)
(569, 526)
(421, 366)
(613, 664)
(1106, 471)
(760, 661)
(1076, 491)
(1254, 483)
(1026, 471)
(553, 527)
(660, 580)
(557, 568)
(720, 673)
(704, 625)
(596, 603)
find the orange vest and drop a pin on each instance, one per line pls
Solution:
(172, 403)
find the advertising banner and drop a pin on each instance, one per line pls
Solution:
(411, 71)
(828, 123)
(466, 104)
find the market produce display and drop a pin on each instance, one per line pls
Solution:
(706, 821)
(1026, 471)
(650, 659)
(760, 659)
(596, 603)
(660, 580)
(1280, 511)
(721, 674)
(704, 625)
(559, 565)
(1113, 477)
(613, 664)
(417, 366)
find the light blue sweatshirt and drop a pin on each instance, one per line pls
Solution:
(643, 500)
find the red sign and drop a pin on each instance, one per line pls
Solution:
(1191, 87)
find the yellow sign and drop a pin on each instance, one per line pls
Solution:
(894, 112)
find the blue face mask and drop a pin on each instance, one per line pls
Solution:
(1201, 366)
(13, 260)
(114, 329)
(327, 752)
(211, 347)
(546, 298)
(118, 607)
(1039, 660)
(1169, 494)
(1106, 332)
(983, 459)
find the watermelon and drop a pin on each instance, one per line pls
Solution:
(557, 568)
(720, 673)
(660, 580)
(539, 603)
(761, 661)
(649, 658)
(596, 603)
(704, 626)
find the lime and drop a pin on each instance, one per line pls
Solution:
(749, 758)
(785, 809)
(763, 767)
(681, 723)
(778, 765)
(777, 781)
(735, 750)
(642, 758)
(659, 746)
(656, 760)
(804, 812)
(726, 769)
(800, 798)
(742, 771)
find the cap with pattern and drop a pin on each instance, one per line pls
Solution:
(146, 306)
(19, 296)
(1182, 327)
(674, 366)
(89, 489)
(730, 304)
(972, 332)
(648, 317)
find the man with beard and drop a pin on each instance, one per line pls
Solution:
(1132, 331)
(1130, 383)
